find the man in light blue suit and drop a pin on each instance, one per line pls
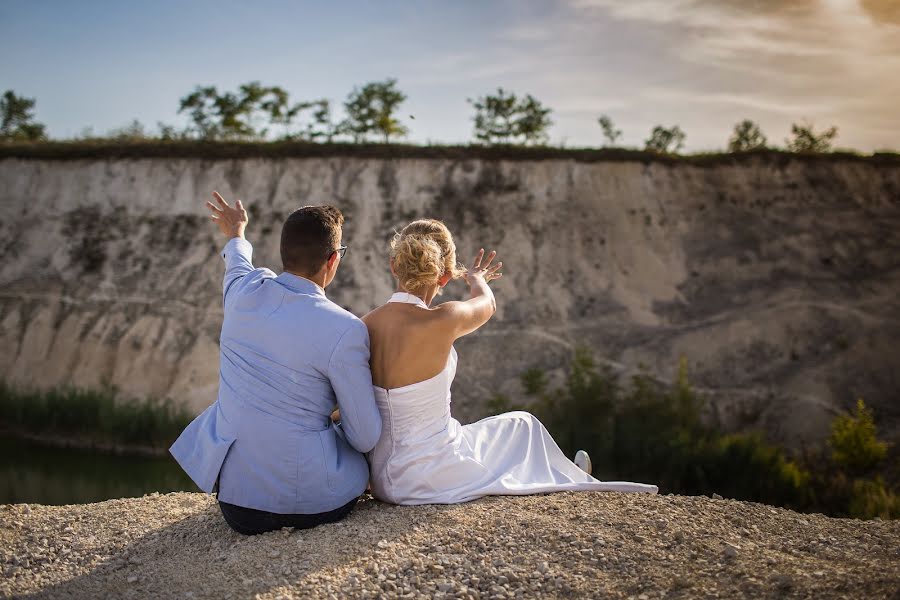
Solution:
(288, 356)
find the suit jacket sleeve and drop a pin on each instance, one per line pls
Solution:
(238, 255)
(351, 379)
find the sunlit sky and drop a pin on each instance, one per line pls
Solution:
(701, 64)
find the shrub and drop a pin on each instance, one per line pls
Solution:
(854, 443)
(651, 432)
(871, 498)
(665, 140)
(805, 139)
(746, 136)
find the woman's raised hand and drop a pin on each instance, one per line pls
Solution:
(482, 269)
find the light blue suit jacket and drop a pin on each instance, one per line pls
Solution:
(287, 356)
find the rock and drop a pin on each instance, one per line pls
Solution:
(132, 578)
(783, 582)
(717, 497)
(731, 550)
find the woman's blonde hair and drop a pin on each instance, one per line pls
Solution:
(422, 252)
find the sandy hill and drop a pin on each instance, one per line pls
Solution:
(562, 545)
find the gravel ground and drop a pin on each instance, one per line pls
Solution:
(560, 545)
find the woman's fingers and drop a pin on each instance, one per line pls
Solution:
(490, 259)
(494, 268)
(476, 264)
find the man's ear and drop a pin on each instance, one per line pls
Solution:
(331, 260)
(445, 279)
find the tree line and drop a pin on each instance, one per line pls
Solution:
(255, 112)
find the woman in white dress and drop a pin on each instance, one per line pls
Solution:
(424, 455)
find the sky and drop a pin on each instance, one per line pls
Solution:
(701, 64)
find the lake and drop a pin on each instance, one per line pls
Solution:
(38, 474)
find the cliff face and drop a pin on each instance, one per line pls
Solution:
(779, 282)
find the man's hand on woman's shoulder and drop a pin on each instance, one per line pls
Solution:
(231, 220)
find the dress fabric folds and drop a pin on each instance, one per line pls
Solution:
(425, 456)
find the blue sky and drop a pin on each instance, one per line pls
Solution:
(702, 64)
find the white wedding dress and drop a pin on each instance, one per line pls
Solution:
(424, 455)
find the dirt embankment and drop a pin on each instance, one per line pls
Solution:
(775, 276)
(562, 545)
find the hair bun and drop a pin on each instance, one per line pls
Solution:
(422, 252)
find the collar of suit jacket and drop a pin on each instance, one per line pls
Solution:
(299, 284)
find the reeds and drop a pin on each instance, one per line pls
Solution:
(96, 415)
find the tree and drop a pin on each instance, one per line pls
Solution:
(321, 125)
(609, 131)
(495, 117)
(665, 140)
(371, 109)
(131, 132)
(854, 442)
(747, 136)
(237, 115)
(806, 140)
(505, 118)
(534, 120)
(16, 119)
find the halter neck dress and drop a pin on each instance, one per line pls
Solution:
(425, 456)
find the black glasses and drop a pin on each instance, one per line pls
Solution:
(342, 250)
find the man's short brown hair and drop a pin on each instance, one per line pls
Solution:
(308, 237)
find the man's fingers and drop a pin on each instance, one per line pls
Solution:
(214, 217)
(213, 207)
(220, 200)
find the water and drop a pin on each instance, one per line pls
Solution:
(33, 473)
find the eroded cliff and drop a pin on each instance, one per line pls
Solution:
(779, 281)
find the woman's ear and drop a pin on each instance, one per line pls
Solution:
(393, 272)
(445, 279)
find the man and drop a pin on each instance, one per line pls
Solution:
(287, 355)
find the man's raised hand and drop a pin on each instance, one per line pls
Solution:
(231, 221)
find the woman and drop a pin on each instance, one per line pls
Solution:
(424, 456)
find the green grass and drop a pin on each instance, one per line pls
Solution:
(221, 150)
(99, 416)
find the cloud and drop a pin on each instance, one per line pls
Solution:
(883, 11)
(833, 60)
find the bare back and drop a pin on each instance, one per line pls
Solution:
(408, 343)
